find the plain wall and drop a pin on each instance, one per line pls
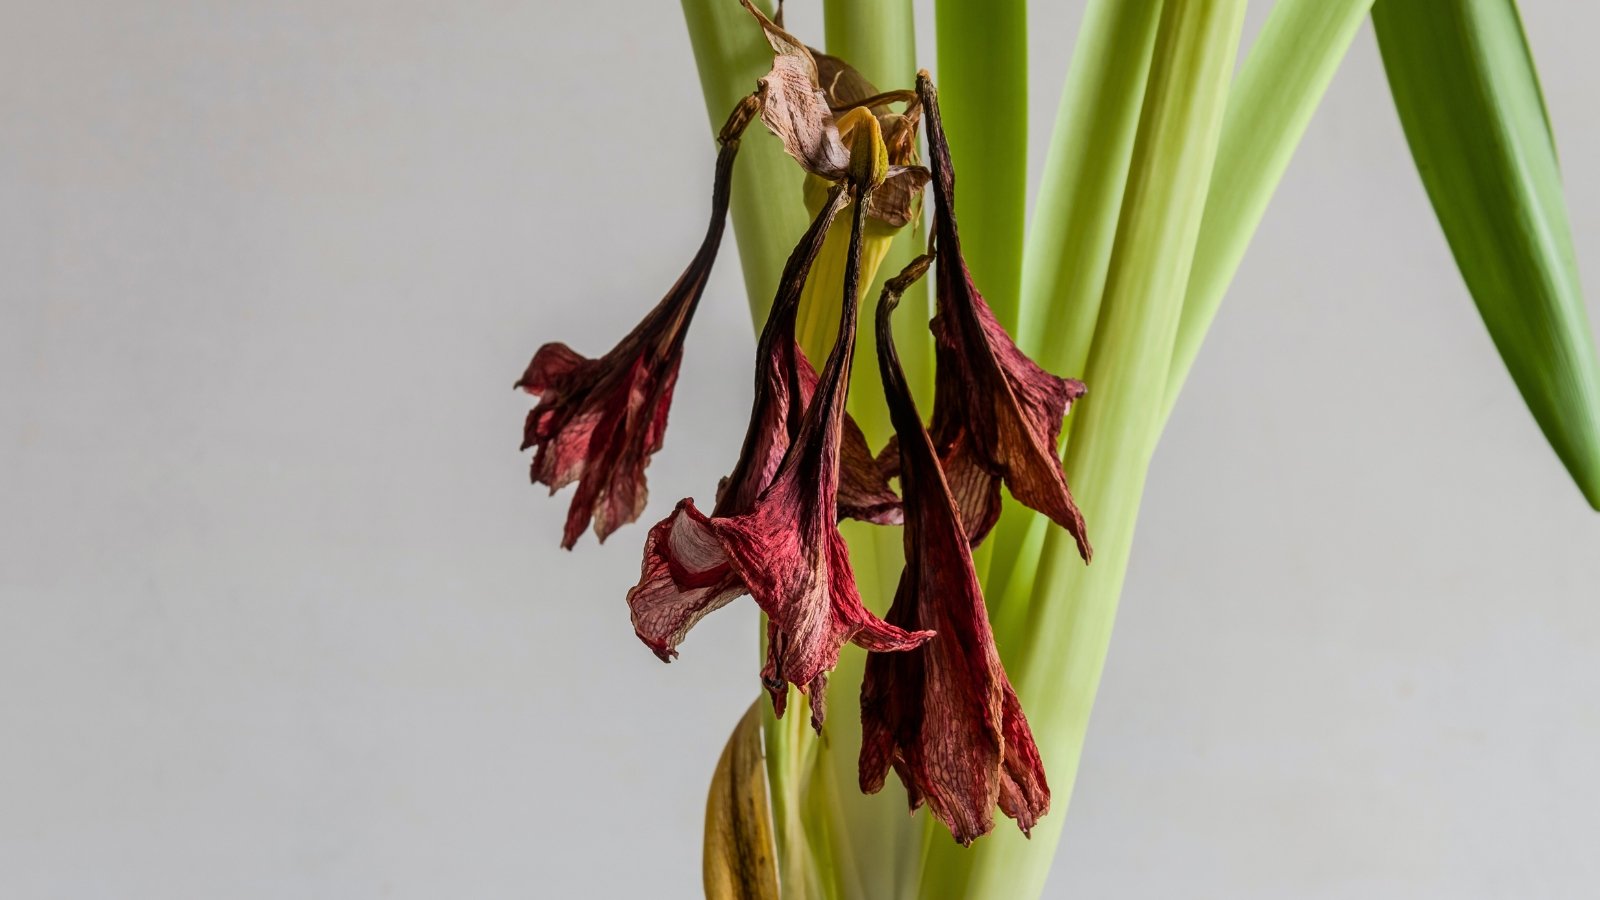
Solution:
(281, 617)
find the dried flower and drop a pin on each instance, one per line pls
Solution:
(682, 582)
(943, 716)
(598, 421)
(784, 548)
(996, 414)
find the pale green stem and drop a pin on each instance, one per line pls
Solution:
(983, 100)
(1074, 223)
(1061, 654)
(1278, 88)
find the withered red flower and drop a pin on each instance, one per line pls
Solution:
(598, 421)
(996, 414)
(785, 548)
(683, 579)
(943, 716)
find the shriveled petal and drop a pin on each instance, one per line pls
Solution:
(900, 198)
(791, 558)
(864, 491)
(974, 487)
(685, 576)
(800, 98)
(598, 421)
(944, 716)
(794, 107)
(988, 394)
(1024, 795)
(785, 383)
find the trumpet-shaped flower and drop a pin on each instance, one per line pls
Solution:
(943, 716)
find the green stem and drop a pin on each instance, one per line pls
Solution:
(983, 98)
(878, 38)
(1074, 225)
(1278, 89)
(1056, 661)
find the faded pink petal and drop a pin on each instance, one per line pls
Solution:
(996, 415)
(943, 716)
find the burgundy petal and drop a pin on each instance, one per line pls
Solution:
(685, 576)
(598, 421)
(943, 716)
(996, 414)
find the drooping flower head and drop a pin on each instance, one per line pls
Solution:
(785, 548)
(996, 414)
(598, 421)
(681, 583)
(943, 716)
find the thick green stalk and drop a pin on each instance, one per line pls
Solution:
(1056, 662)
(1464, 84)
(1074, 224)
(983, 98)
(768, 214)
(1075, 219)
(1278, 88)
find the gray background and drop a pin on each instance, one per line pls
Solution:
(281, 617)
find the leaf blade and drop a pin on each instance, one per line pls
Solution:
(1469, 100)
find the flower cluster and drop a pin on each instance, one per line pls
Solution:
(936, 704)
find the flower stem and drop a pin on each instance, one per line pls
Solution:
(1056, 660)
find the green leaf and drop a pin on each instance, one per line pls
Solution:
(1464, 84)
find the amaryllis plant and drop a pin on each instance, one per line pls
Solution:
(934, 594)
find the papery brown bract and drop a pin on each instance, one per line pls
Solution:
(794, 107)
(598, 421)
(996, 414)
(799, 98)
(943, 716)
